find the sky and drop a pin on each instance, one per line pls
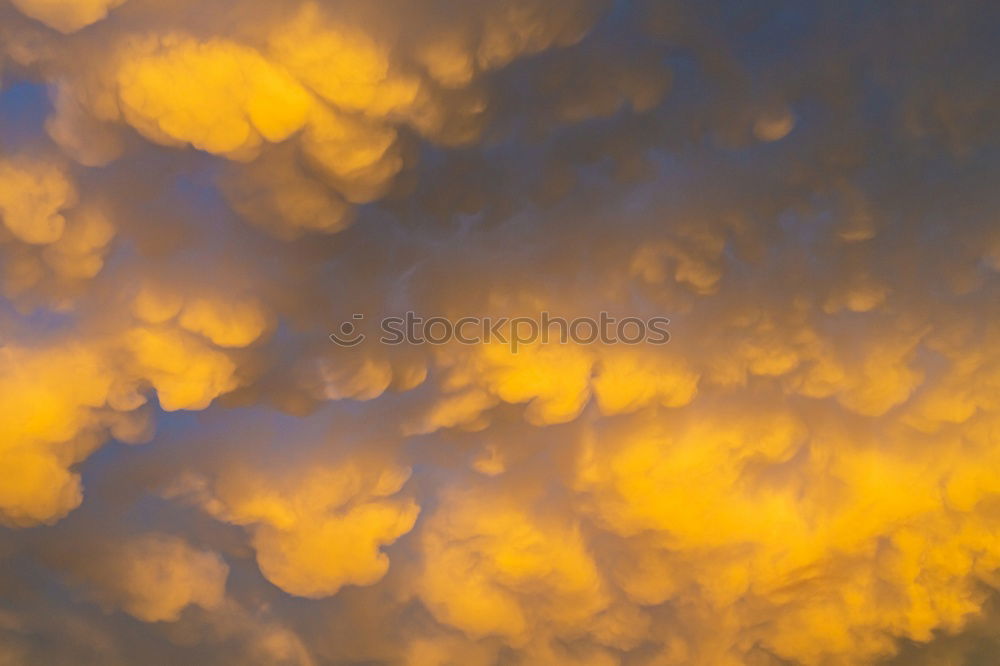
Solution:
(201, 200)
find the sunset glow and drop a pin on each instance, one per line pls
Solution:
(499, 333)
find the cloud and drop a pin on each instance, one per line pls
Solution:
(315, 533)
(67, 15)
(193, 198)
(497, 571)
(33, 196)
(154, 577)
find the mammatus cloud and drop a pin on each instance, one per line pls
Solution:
(66, 16)
(153, 577)
(321, 531)
(194, 196)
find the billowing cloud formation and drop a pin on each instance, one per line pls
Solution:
(317, 531)
(66, 15)
(154, 577)
(194, 197)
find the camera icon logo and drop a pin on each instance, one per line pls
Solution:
(347, 334)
